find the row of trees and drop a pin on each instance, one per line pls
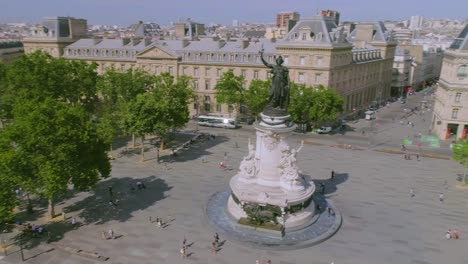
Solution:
(59, 119)
(307, 104)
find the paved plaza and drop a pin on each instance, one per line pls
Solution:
(381, 222)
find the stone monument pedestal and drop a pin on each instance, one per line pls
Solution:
(269, 184)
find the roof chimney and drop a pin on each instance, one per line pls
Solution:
(221, 43)
(148, 41)
(245, 43)
(125, 41)
(96, 41)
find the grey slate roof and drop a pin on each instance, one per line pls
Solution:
(380, 32)
(461, 42)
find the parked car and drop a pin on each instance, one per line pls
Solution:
(246, 120)
(324, 130)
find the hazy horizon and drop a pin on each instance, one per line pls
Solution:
(124, 12)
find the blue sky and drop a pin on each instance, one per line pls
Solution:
(123, 12)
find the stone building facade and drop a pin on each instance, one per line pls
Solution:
(450, 120)
(55, 34)
(358, 66)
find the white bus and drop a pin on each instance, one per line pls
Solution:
(214, 121)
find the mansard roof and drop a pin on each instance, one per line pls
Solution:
(461, 42)
(317, 30)
(380, 32)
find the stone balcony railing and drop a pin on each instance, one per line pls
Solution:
(366, 55)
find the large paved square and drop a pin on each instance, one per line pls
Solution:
(382, 223)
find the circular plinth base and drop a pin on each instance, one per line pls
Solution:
(320, 230)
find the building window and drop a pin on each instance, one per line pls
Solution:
(218, 107)
(317, 77)
(301, 77)
(462, 72)
(454, 113)
(207, 103)
(207, 84)
(243, 73)
(255, 75)
(302, 60)
(195, 72)
(304, 36)
(286, 60)
(207, 71)
(170, 70)
(184, 71)
(195, 84)
(319, 60)
(218, 72)
(457, 97)
(232, 57)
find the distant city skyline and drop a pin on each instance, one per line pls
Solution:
(124, 12)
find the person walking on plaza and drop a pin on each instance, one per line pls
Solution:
(448, 234)
(183, 252)
(332, 176)
(111, 192)
(268, 261)
(74, 223)
(216, 239)
(103, 235)
(411, 191)
(417, 157)
(441, 197)
(111, 234)
(330, 211)
(184, 242)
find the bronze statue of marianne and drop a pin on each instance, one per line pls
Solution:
(279, 92)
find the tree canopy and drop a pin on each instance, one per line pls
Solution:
(314, 104)
(54, 140)
(163, 108)
(256, 97)
(460, 154)
(38, 76)
(229, 89)
(53, 145)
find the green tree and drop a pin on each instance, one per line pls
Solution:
(161, 109)
(314, 104)
(301, 100)
(256, 97)
(39, 76)
(8, 199)
(460, 154)
(3, 107)
(326, 105)
(118, 90)
(55, 145)
(229, 90)
(144, 116)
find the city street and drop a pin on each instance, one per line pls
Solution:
(382, 223)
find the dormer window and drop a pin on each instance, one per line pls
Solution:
(304, 36)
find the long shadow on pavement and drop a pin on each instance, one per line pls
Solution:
(96, 209)
(196, 150)
(331, 186)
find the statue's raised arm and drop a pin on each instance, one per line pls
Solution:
(263, 60)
